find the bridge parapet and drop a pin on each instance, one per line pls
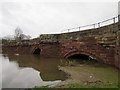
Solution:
(102, 43)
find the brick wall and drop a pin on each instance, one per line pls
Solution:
(99, 43)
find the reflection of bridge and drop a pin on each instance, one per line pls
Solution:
(102, 44)
(48, 68)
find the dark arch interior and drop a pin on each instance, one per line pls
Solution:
(79, 56)
(37, 51)
(81, 59)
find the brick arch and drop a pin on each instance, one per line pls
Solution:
(74, 52)
(34, 48)
(37, 51)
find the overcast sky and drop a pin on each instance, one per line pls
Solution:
(35, 18)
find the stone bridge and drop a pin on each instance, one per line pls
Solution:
(101, 44)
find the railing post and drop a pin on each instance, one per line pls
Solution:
(99, 24)
(114, 20)
(94, 25)
(118, 18)
(68, 30)
(79, 28)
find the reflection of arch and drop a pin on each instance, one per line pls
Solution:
(37, 51)
(72, 53)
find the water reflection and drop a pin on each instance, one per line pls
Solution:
(26, 71)
(29, 71)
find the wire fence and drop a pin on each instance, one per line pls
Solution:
(95, 25)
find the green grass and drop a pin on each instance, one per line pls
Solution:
(37, 88)
(41, 87)
(111, 85)
(74, 85)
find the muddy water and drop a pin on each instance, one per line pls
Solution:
(26, 71)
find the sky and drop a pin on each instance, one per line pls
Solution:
(35, 18)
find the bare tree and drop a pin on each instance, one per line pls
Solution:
(19, 34)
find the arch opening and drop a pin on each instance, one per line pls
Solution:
(37, 51)
(81, 58)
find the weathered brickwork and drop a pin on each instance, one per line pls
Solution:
(101, 44)
(117, 50)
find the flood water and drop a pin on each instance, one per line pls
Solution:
(27, 71)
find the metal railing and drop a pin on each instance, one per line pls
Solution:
(95, 25)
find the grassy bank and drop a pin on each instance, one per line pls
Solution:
(75, 86)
